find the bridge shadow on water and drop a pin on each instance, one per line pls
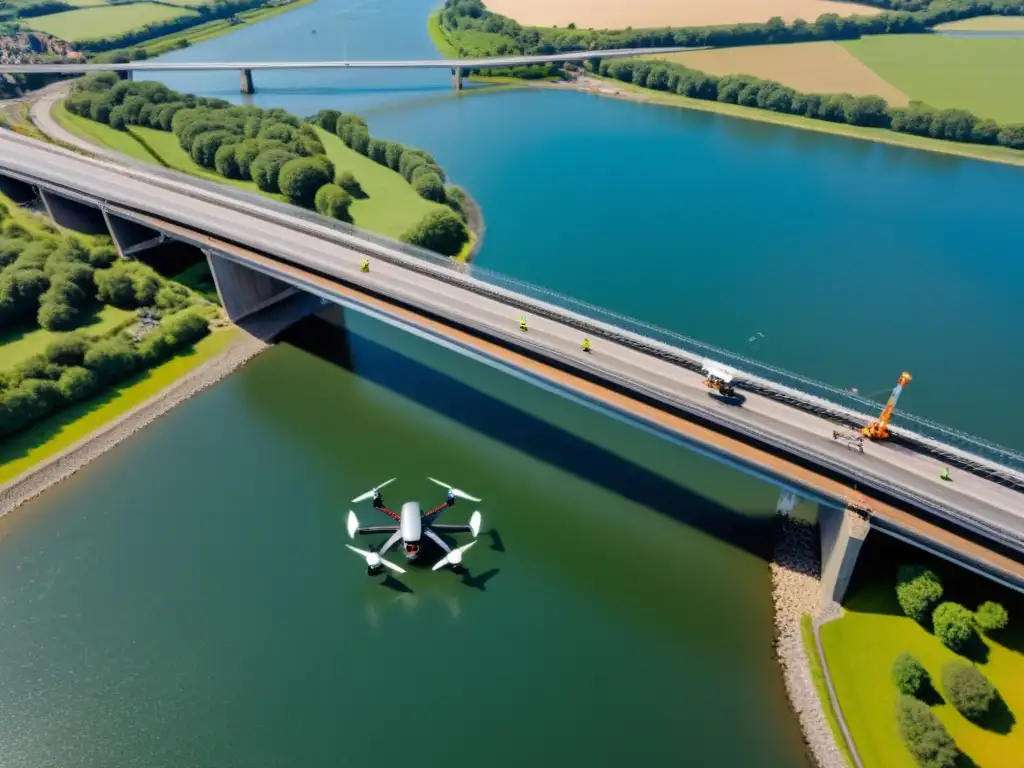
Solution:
(526, 432)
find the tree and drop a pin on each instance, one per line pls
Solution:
(326, 119)
(925, 735)
(246, 152)
(350, 184)
(918, 590)
(429, 186)
(110, 359)
(67, 350)
(441, 231)
(184, 327)
(909, 675)
(204, 148)
(226, 162)
(393, 154)
(102, 256)
(969, 691)
(954, 625)
(332, 200)
(377, 151)
(360, 139)
(991, 616)
(267, 166)
(455, 198)
(77, 383)
(117, 120)
(127, 284)
(1011, 136)
(300, 178)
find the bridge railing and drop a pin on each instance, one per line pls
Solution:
(826, 400)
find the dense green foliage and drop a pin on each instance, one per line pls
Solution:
(991, 616)
(910, 677)
(442, 231)
(503, 36)
(273, 149)
(968, 690)
(954, 625)
(870, 111)
(918, 591)
(925, 736)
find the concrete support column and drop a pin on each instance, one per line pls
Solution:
(130, 238)
(74, 215)
(126, 74)
(247, 86)
(244, 291)
(787, 503)
(457, 78)
(842, 534)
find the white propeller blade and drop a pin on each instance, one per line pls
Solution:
(474, 523)
(457, 492)
(374, 560)
(369, 494)
(454, 557)
(352, 524)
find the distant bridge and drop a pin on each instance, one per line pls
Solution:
(457, 66)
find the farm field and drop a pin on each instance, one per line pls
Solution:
(980, 75)
(103, 21)
(606, 14)
(86, 3)
(984, 24)
(861, 647)
(822, 67)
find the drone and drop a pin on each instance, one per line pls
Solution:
(412, 525)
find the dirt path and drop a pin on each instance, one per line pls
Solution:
(36, 480)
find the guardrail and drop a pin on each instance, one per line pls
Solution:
(975, 454)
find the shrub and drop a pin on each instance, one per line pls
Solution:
(954, 625)
(350, 184)
(245, 153)
(267, 167)
(184, 328)
(991, 616)
(925, 735)
(909, 676)
(57, 316)
(110, 359)
(300, 179)
(967, 689)
(116, 118)
(326, 119)
(429, 187)
(393, 154)
(171, 296)
(77, 383)
(441, 231)
(360, 139)
(332, 200)
(455, 198)
(204, 148)
(102, 256)
(67, 350)
(226, 163)
(127, 284)
(918, 591)
(377, 151)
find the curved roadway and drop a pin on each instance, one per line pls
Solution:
(976, 503)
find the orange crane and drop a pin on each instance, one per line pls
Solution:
(879, 430)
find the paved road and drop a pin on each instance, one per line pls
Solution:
(980, 503)
(486, 63)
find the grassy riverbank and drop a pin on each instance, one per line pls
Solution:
(49, 437)
(862, 646)
(617, 89)
(818, 676)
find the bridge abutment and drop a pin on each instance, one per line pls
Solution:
(843, 532)
(74, 215)
(244, 291)
(247, 85)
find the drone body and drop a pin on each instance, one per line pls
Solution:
(412, 524)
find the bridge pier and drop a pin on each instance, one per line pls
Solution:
(247, 87)
(131, 237)
(843, 532)
(244, 291)
(457, 78)
(74, 215)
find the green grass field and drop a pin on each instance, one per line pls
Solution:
(50, 437)
(980, 75)
(439, 37)
(861, 647)
(818, 676)
(17, 345)
(103, 21)
(985, 24)
(86, 3)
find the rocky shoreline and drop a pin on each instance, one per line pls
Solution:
(796, 569)
(30, 484)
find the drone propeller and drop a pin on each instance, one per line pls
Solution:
(374, 560)
(352, 524)
(457, 492)
(454, 557)
(372, 492)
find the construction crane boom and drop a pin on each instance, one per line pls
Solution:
(879, 430)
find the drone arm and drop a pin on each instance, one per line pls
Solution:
(438, 508)
(380, 505)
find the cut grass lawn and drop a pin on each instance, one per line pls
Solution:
(17, 345)
(104, 21)
(47, 438)
(984, 24)
(862, 646)
(980, 75)
(820, 67)
(818, 676)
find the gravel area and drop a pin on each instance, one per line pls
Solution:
(796, 568)
(36, 480)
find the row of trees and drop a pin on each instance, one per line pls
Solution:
(9, 11)
(509, 37)
(871, 111)
(919, 592)
(275, 150)
(75, 367)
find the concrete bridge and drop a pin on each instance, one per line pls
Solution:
(458, 67)
(267, 256)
